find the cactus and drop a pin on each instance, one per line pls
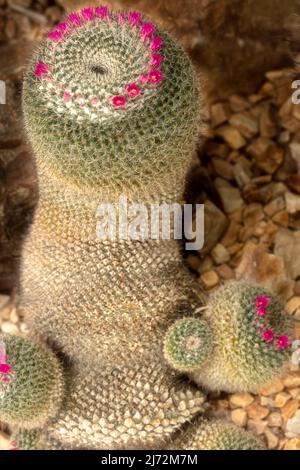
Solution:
(215, 435)
(251, 345)
(188, 344)
(31, 388)
(111, 108)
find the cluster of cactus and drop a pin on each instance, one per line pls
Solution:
(112, 107)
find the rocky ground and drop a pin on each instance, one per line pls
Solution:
(247, 172)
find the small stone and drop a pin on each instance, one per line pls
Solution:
(295, 153)
(239, 417)
(54, 13)
(253, 213)
(292, 444)
(284, 137)
(275, 387)
(210, 279)
(272, 439)
(293, 182)
(267, 154)
(292, 381)
(9, 328)
(245, 124)
(214, 149)
(225, 272)
(257, 412)
(231, 197)
(281, 218)
(220, 113)
(257, 427)
(220, 254)
(266, 269)
(206, 264)
(231, 136)
(242, 171)
(291, 307)
(4, 301)
(274, 420)
(292, 202)
(281, 399)
(241, 400)
(4, 441)
(290, 409)
(277, 205)
(267, 124)
(287, 243)
(238, 103)
(215, 224)
(293, 424)
(223, 168)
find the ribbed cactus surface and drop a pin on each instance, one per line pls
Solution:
(112, 110)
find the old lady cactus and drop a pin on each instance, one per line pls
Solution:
(111, 108)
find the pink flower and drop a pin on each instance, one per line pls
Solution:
(268, 336)
(119, 101)
(102, 12)
(262, 301)
(121, 18)
(41, 69)
(5, 379)
(134, 18)
(156, 43)
(156, 60)
(63, 27)
(67, 96)
(143, 78)
(261, 311)
(74, 19)
(55, 35)
(133, 89)
(87, 13)
(147, 30)
(282, 342)
(155, 76)
(5, 368)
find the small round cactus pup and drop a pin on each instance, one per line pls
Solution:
(252, 337)
(31, 383)
(215, 434)
(187, 344)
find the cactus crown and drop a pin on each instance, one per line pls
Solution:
(111, 97)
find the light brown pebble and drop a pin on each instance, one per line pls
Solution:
(240, 400)
(274, 206)
(281, 218)
(231, 136)
(281, 399)
(292, 380)
(9, 328)
(292, 444)
(225, 272)
(275, 387)
(220, 113)
(257, 427)
(220, 254)
(290, 409)
(210, 279)
(245, 124)
(239, 417)
(257, 412)
(291, 306)
(272, 439)
(274, 419)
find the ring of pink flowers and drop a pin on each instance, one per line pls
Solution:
(134, 19)
(282, 341)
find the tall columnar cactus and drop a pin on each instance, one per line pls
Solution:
(111, 107)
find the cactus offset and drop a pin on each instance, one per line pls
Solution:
(111, 107)
(251, 345)
(31, 387)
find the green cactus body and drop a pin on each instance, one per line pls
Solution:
(250, 347)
